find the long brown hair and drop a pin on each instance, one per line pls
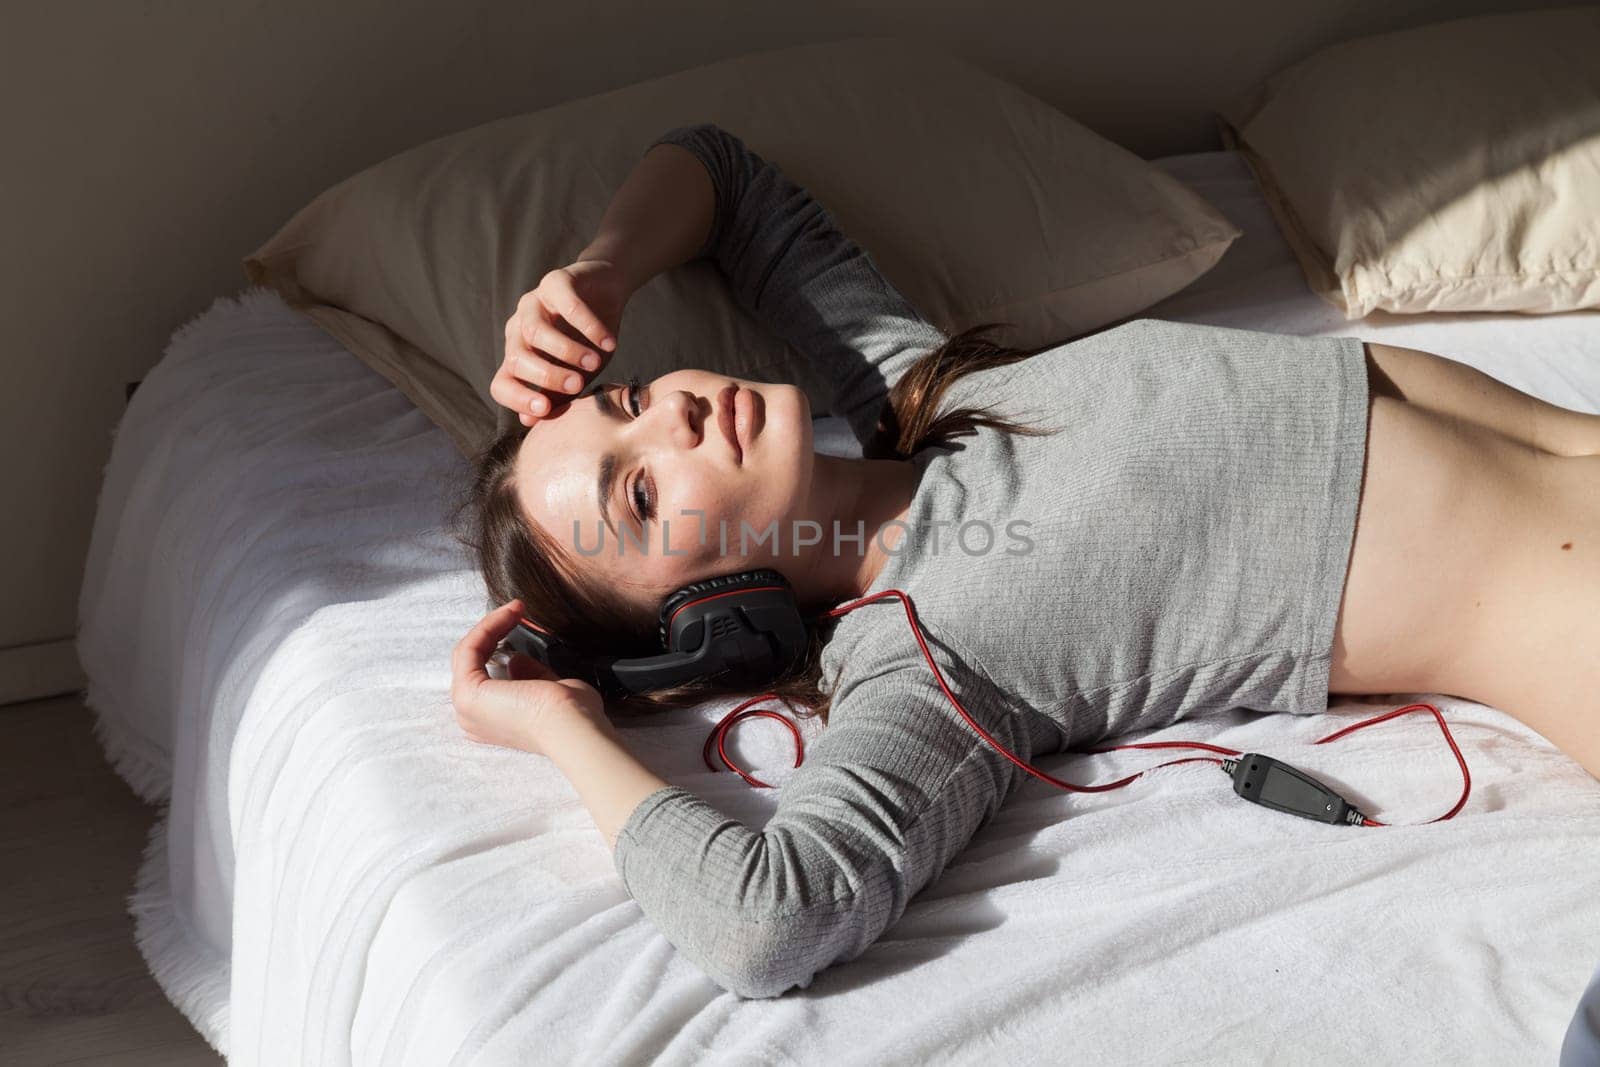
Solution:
(521, 559)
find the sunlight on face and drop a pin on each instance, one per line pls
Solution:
(677, 490)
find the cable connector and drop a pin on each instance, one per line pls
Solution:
(1272, 784)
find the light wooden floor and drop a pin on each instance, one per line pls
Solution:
(73, 987)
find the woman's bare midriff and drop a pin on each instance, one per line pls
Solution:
(1442, 502)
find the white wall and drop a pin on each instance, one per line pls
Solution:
(155, 143)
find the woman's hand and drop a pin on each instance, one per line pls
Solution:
(526, 710)
(545, 335)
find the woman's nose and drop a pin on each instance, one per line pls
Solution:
(683, 417)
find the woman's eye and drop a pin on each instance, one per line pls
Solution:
(635, 398)
(642, 498)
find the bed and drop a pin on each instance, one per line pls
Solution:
(341, 877)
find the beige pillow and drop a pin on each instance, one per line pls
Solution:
(1453, 167)
(974, 199)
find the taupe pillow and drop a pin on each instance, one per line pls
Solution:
(1452, 167)
(974, 199)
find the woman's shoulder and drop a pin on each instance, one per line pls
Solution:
(873, 650)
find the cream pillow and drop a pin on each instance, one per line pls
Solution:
(1453, 167)
(977, 201)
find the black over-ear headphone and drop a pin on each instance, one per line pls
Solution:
(746, 628)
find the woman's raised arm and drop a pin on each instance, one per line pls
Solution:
(658, 218)
(700, 192)
(788, 264)
(567, 325)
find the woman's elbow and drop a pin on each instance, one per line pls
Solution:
(789, 953)
(762, 978)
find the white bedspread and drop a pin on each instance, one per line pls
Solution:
(266, 621)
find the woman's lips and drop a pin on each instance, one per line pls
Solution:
(749, 413)
(726, 414)
(754, 415)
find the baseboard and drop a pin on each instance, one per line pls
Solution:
(34, 672)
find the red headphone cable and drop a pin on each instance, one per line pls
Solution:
(1257, 778)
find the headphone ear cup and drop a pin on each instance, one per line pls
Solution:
(745, 628)
(727, 583)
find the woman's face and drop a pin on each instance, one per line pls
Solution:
(638, 484)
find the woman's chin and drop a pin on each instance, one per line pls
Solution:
(802, 404)
(785, 418)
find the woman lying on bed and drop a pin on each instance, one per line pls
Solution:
(1111, 535)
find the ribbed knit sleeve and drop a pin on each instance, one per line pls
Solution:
(788, 264)
(892, 790)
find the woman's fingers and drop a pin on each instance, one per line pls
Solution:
(472, 652)
(533, 366)
(546, 360)
(562, 352)
(521, 369)
(509, 392)
(563, 298)
(535, 325)
(506, 712)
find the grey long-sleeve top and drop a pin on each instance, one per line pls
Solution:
(1179, 545)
